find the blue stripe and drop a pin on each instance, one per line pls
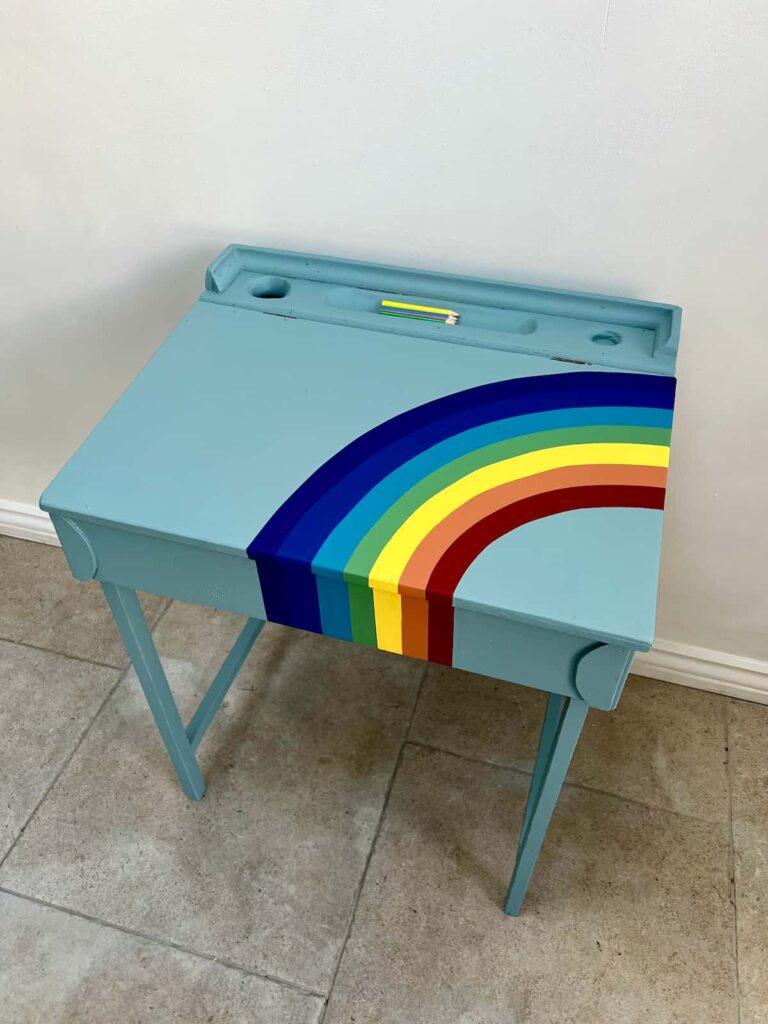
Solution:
(290, 540)
(311, 530)
(342, 541)
(435, 420)
(333, 600)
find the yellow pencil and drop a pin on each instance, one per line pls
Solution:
(421, 309)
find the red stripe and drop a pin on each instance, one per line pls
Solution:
(461, 554)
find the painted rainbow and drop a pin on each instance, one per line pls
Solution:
(372, 546)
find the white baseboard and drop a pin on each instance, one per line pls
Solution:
(672, 662)
(704, 669)
(26, 521)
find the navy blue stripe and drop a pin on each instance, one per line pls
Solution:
(603, 389)
(379, 452)
(284, 548)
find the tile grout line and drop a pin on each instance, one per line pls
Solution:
(63, 767)
(732, 857)
(568, 782)
(167, 943)
(76, 657)
(81, 738)
(231, 965)
(374, 843)
(60, 654)
(163, 612)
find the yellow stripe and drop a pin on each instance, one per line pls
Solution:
(389, 621)
(411, 305)
(394, 556)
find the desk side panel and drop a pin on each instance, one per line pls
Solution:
(543, 659)
(165, 567)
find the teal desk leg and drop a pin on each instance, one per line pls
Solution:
(548, 731)
(129, 618)
(180, 743)
(560, 732)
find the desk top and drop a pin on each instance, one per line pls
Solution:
(380, 471)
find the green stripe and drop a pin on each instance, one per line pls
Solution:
(367, 551)
(361, 614)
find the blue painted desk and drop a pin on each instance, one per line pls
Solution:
(487, 494)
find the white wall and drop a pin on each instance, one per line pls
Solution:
(551, 141)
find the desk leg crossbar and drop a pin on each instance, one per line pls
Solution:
(180, 742)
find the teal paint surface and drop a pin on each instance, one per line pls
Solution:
(602, 563)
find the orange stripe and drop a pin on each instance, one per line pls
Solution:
(415, 576)
(415, 612)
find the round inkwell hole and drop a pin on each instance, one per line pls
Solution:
(606, 338)
(270, 287)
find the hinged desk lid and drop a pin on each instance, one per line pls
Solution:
(382, 474)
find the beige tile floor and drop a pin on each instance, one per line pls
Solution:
(349, 859)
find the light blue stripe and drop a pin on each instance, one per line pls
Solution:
(342, 541)
(333, 598)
